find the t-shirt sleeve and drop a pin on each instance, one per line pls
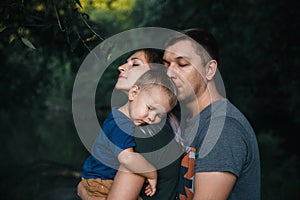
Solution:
(224, 147)
(120, 136)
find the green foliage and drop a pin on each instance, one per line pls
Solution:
(27, 43)
(148, 13)
(280, 170)
(111, 12)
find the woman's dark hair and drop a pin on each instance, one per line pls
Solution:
(153, 55)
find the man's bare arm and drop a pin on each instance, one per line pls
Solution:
(213, 185)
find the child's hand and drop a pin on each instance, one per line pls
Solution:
(150, 189)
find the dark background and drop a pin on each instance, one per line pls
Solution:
(43, 43)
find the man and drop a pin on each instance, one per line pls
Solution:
(227, 164)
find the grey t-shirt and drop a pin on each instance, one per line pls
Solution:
(225, 141)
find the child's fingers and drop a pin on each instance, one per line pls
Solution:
(149, 191)
(148, 187)
(152, 192)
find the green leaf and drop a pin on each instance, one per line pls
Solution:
(27, 43)
(78, 2)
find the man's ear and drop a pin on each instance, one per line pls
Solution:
(211, 69)
(134, 90)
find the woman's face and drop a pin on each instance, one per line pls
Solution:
(135, 66)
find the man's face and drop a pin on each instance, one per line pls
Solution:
(186, 69)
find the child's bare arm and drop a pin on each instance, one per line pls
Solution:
(136, 163)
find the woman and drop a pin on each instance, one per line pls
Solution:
(137, 64)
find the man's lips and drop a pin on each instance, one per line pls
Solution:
(178, 86)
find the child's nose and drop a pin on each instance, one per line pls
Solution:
(151, 118)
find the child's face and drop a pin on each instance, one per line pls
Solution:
(135, 66)
(148, 106)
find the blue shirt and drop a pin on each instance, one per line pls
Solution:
(115, 136)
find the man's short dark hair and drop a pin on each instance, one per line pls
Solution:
(202, 37)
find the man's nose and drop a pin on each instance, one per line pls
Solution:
(171, 71)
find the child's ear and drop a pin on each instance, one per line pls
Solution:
(134, 90)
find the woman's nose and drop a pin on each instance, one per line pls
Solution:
(123, 67)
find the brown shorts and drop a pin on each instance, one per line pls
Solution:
(97, 187)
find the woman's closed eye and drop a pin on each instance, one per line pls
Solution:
(136, 64)
(133, 63)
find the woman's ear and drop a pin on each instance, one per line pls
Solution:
(211, 68)
(134, 90)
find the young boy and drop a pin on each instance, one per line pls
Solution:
(151, 97)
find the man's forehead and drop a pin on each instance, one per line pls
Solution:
(183, 48)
